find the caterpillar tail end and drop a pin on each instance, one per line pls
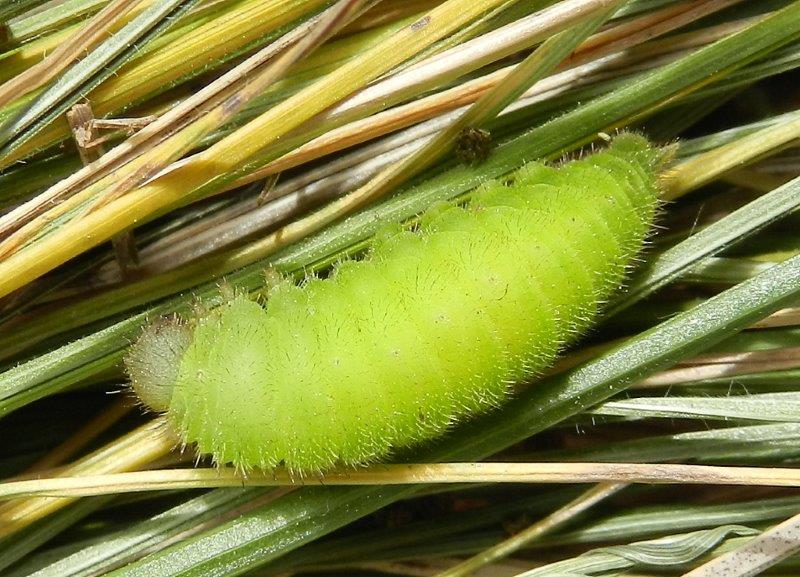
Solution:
(153, 361)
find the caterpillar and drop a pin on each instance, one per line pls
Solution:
(436, 324)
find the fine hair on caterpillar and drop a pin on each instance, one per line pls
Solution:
(433, 326)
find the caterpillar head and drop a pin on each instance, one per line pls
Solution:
(153, 361)
(635, 148)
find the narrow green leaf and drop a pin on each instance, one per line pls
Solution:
(35, 22)
(702, 144)
(12, 8)
(781, 407)
(118, 548)
(673, 517)
(716, 445)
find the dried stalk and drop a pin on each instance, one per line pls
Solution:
(406, 474)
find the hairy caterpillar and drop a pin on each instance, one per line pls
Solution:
(435, 325)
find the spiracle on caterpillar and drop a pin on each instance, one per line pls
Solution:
(435, 325)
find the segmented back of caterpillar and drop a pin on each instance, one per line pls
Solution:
(435, 325)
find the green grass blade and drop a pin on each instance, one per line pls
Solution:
(18, 546)
(652, 521)
(713, 446)
(54, 15)
(781, 407)
(12, 8)
(118, 548)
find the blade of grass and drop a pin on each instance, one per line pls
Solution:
(670, 517)
(695, 172)
(18, 546)
(701, 144)
(178, 522)
(12, 8)
(719, 366)
(729, 444)
(49, 16)
(660, 553)
(781, 407)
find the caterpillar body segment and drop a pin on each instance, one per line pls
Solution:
(434, 326)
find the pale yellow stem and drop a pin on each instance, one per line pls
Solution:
(703, 168)
(412, 474)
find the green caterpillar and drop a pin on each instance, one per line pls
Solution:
(437, 324)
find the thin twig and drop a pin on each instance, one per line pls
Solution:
(80, 119)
